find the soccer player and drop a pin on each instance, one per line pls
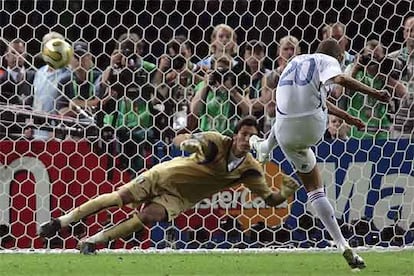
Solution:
(301, 116)
(217, 162)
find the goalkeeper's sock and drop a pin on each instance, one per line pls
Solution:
(120, 230)
(326, 214)
(91, 207)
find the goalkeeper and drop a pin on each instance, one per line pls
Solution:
(217, 162)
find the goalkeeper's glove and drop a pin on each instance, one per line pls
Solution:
(289, 186)
(191, 146)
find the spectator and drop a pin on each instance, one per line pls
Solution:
(288, 48)
(404, 117)
(218, 101)
(83, 80)
(129, 112)
(369, 68)
(254, 54)
(15, 88)
(337, 31)
(181, 45)
(174, 82)
(51, 92)
(337, 129)
(223, 42)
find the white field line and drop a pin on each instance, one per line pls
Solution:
(207, 251)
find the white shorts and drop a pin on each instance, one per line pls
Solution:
(296, 135)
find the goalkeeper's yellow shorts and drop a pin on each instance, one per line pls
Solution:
(144, 192)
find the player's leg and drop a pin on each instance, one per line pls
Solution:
(133, 191)
(298, 151)
(317, 197)
(263, 147)
(163, 207)
(150, 214)
(324, 210)
(295, 144)
(90, 207)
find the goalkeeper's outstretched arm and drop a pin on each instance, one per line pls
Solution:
(187, 143)
(288, 188)
(180, 138)
(275, 199)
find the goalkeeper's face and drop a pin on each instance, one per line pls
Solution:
(241, 144)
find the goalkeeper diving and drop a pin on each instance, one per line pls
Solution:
(216, 163)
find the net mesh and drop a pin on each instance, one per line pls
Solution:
(368, 181)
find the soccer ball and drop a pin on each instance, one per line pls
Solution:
(57, 53)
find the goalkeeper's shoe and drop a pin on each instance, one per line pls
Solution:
(353, 259)
(256, 144)
(289, 186)
(49, 229)
(87, 248)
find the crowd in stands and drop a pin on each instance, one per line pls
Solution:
(137, 104)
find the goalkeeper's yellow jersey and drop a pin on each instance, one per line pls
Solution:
(200, 175)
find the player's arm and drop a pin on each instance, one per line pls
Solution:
(400, 90)
(187, 143)
(242, 102)
(200, 97)
(287, 189)
(351, 120)
(181, 138)
(259, 186)
(356, 85)
(275, 199)
(203, 143)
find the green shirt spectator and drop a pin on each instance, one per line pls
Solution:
(218, 113)
(369, 110)
(373, 69)
(218, 101)
(130, 114)
(132, 117)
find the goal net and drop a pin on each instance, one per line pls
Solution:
(368, 180)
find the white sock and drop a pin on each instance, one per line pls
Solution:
(326, 214)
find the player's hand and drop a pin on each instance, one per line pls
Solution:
(109, 94)
(105, 76)
(384, 96)
(354, 121)
(209, 80)
(118, 60)
(164, 63)
(28, 133)
(191, 146)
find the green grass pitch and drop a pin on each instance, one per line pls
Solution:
(304, 264)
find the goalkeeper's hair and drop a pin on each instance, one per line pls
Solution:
(329, 47)
(246, 121)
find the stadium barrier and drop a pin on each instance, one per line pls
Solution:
(370, 184)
